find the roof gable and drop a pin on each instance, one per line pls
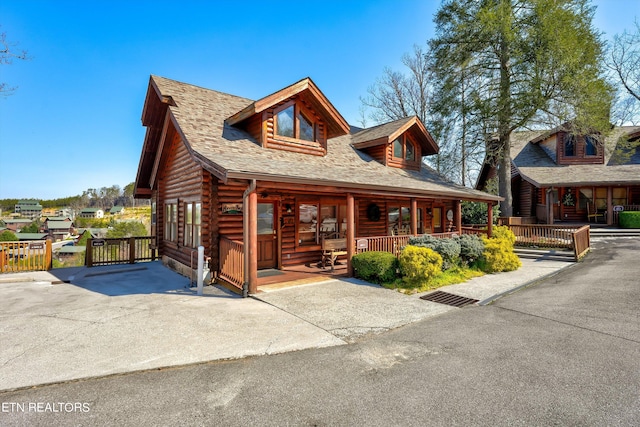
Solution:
(388, 132)
(306, 88)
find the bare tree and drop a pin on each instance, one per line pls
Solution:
(7, 55)
(624, 62)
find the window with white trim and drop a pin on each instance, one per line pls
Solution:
(171, 222)
(192, 224)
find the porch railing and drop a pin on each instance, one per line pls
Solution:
(25, 256)
(232, 262)
(121, 250)
(391, 244)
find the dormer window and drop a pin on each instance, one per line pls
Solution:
(570, 146)
(404, 149)
(291, 122)
(590, 146)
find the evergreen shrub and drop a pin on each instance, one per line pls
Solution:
(629, 219)
(419, 264)
(449, 249)
(471, 247)
(375, 267)
(498, 251)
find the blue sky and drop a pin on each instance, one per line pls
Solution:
(74, 121)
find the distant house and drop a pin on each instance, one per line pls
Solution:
(117, 210)
(33, 236)
(65, 212)
(91, 213)
(94, 233)
(28, 208)
(59, 230)
(16, 224)
(69, 251)
(557, 175)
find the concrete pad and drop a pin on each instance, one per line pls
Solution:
(145, 319)
(351, 308)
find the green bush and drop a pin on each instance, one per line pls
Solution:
(449, 249)
(629, 219)
(419, 264)
(498, 251)
(471, 247)
(375, 267)
(8, 236)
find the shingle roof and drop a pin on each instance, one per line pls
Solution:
(231, 153)
(58, 225)
(535, 165)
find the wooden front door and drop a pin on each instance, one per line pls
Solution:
(267, 237)
(437, 220)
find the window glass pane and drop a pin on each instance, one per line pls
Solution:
(153, 213)
(342, 218)
(188, 219)
(619, 196)
(410, 154)
(329, 219)
(394, 221)
(174, 222)
(306, 129)
(586, 196)
(601, 199)
(397, 148)
(420, 227)
(569, 146)
(590, 149)
(265, 218)
(198, 215)
(307, 223)
(284, 122)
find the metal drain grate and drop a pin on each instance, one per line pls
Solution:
(449, 299)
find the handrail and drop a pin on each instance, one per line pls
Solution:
(120, 250)
(576, 238)
(581, 241)
(232, 262)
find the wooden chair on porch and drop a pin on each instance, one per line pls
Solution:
(592, 212)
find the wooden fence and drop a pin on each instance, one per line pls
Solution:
(123, 250)
(232, 262)
(576, 238)
(25, 256)
(391, 244)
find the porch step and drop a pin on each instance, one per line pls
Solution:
(549, 254)
(614, 232)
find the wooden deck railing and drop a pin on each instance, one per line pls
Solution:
(232, 262)
(25, 256)
(122, 250)
(474, 230)
(391, 244)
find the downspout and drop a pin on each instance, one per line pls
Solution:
(245, 232)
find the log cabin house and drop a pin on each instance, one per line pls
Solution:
(260, 183)
(560, 176)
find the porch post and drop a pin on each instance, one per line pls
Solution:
(414, 217)
(252, 241)
(351, 232)
(609, 205)
(489, 219)
(458, 216)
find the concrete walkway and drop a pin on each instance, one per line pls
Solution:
(117, 319)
